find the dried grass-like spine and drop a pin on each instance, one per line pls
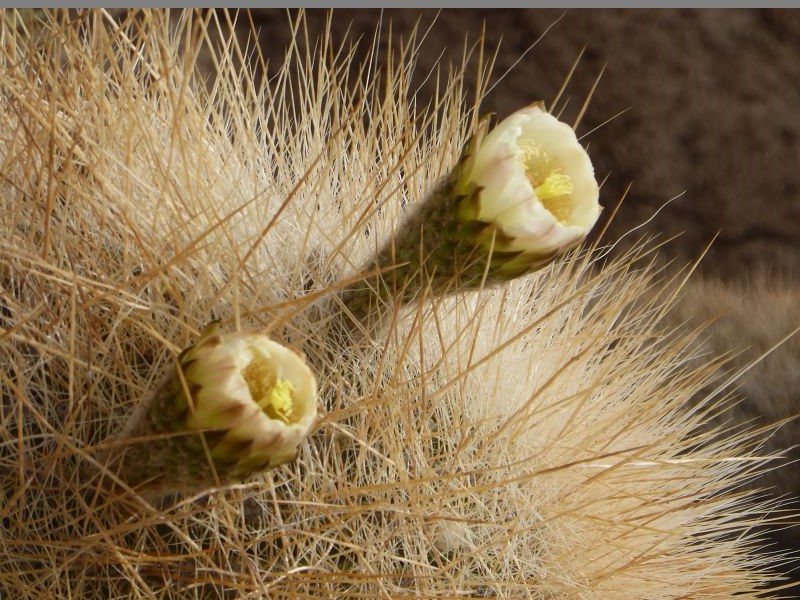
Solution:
(528, 441)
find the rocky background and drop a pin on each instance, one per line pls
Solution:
(711, 101)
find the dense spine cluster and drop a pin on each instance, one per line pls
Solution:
(530, 440)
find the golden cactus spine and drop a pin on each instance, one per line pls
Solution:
(524, 441)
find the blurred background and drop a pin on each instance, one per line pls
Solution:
(711, 101)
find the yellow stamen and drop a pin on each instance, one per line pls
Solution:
(536, 163)
(554, 185)
(529, 152)
(260, 380)
(280, 400)
(273, 395)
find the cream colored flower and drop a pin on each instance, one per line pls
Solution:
(236, 404)
(533, 183)
(256, 398)
(520, 195)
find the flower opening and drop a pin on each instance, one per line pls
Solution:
(257, 396)
(531, 180)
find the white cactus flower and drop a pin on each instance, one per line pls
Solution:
(530, 179)
(259, 397)
(521, 195)
(240, 399)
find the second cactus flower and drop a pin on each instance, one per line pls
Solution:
(235, 404)
(520, 195)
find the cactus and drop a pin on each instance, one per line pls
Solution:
(530, 440)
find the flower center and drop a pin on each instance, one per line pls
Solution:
(554, 185)
(273, 395)
(552, 188)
